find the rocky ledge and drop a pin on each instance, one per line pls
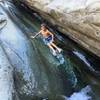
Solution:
(78, 19)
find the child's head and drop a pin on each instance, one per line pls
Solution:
(43, 26)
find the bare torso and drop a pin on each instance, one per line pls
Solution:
(45, 33)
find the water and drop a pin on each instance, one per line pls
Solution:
(38, 75)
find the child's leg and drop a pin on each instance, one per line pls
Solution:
(50, 46)
(59, 50)
(54, 45)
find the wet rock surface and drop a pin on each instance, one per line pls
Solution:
(6, 78)
(37, 74)
(77, 19)
(33, 77)
(6, 69)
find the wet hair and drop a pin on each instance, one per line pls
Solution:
(43, 25)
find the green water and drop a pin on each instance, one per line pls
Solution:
(37, 73)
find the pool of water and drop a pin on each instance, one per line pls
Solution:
(38, 75)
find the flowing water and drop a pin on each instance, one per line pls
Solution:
(37, 74)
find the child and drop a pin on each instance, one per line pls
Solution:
(48, 38)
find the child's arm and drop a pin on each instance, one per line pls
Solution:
(36, 35)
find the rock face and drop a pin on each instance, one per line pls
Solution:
(77, 19)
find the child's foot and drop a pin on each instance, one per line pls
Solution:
(54, 53)
(59, 50)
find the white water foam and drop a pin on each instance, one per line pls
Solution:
(82, 95)
(82, 57)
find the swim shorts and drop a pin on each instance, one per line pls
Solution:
(48, 40)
